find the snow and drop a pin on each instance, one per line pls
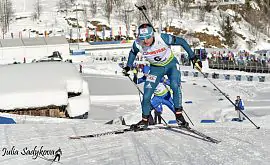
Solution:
(51, 20)
(254, 5)
(113, 95)
(80, 104)
(36, 83)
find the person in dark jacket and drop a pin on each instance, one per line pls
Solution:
(239, 107)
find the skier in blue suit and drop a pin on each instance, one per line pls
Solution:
(156, 49)
(162, 95)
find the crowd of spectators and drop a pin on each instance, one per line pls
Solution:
(240, 58)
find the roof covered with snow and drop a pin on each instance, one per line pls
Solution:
(17, 42)
(34, 41)
(11, 42)
(56, 40)
(46, 83)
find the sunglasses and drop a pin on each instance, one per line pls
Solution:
(145, 37)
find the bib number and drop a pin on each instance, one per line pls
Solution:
(151, 78)
(157, 58)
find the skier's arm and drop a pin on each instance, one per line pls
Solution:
(173, 40)
(132, 54)
(142, 79)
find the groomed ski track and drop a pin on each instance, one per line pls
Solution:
(241, 143)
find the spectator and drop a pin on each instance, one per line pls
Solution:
(239, 107)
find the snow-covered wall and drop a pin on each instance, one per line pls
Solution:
(32, 48)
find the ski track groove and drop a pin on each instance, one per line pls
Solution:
(137, 154)
(6, 136)
(167, 139)
(99, 153)
(80, 141)
(122, 153)
(136, 149)
(7, 143)
(244, 141)
(113, 149)
(145, 148)
(166, 143)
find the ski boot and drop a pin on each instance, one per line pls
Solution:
(180, 118)
(141, 125)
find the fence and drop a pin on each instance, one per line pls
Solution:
(250, 66)
(259, 78)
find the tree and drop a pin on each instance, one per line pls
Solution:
(228, 32)
(186, 5)
(72, 1)
(37, 10)
(202, 12)
(108, 6)
(154, 10)
(6, 14)
(64, 4)
(125, 10)
(180, 8)
(93, 7)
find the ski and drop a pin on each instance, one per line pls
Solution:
(193, 131)
(120, 131)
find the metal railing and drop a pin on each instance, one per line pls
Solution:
(250, 66)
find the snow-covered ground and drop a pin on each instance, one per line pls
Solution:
(114, 95)
(51, 20)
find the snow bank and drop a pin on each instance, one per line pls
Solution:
(41, 84)
(80, 104)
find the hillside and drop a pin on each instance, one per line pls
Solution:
(198, 20)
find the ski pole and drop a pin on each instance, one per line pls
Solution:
(142, 94)
(142, 8)
(188, 117)
(135, 85)
(163, 120)
(199, 69)
(183, 110)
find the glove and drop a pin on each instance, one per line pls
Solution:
(196, 63)
(125, 71)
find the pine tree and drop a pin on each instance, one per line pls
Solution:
(247, 4)
(228, 32)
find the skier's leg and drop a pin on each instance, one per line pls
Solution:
(156, 115)
(159, 118)
(174, 76)
(169, 104)
(152, 80)
(155, 102)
